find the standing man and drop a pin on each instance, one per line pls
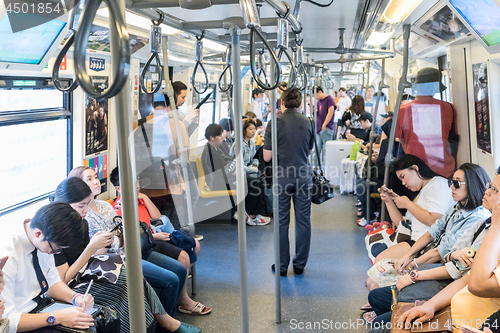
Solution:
(30, 273)
(295, 135)
(343, 103)
(369, 100)
(258, 106)
(324, 120)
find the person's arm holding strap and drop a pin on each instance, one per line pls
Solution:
(483, 280)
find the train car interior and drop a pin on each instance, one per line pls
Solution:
(201, 103)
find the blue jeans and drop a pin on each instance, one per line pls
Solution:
(321, 139)
(167, 276)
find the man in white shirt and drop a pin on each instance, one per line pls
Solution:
(258, 106)
(30, 272)
(343, 103)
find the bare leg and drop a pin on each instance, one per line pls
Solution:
(197, 248)
(185, 301)
(394, 252)
(167, 322)
(370, 284)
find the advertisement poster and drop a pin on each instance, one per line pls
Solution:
(96, 119)
(100, 166)
(445, 25)
(99, 40)
(482, 106)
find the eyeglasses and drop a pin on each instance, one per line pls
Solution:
(493, 189)
(456, 183)
(56, 251)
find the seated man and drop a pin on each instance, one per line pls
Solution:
(30, 272)
(365, 120)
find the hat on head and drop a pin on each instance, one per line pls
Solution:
(427, 75)
(389, 114)
(366, 116)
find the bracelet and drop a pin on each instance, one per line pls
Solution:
(415, 262)
(74, 298)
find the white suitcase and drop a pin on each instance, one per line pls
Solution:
(348, 177)
(335, 152)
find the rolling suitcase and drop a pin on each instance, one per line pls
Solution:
(348, 176)
(335, 152)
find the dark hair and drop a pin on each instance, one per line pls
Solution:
(283, 85)
(407, 161)
(247, 124)
(318, 88)
(407, 97)
(476, 183)
(71, 190)
(78, 171)
(213, 130)
(258, 123)
(342, 89)
(370, 87)
(114, 177)
(292, 98)
(358, 105)
(59, 223)
(256, 92)
(158, 104)
(178, 86)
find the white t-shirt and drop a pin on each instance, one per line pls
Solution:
(435, 197)
(343, 104)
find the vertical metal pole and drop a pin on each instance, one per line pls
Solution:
(403, 83)
(276, 218)
(372, 139)
(240, 176)
(125, 149)
(169, 91)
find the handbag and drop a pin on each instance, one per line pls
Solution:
(440, 323)
(147, 240)
(322, 190)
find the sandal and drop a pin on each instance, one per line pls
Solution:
(198, 310)
(369, 317)
(366, 307)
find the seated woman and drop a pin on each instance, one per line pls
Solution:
(471, 181)
(161, 271)
(113, 294)
(350, 123)
(254, 202)
(432, 202)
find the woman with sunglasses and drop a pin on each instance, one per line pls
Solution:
(72, 260)
(468, 184)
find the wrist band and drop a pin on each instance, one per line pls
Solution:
(74, 298)
(415, 262)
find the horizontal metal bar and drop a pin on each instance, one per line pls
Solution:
(219, 24)
(269, 36)
(32, 116)
(337, 50)
(283, 10)
(344, 60)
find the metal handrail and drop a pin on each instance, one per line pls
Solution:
(262, 65)
(121, 67)
(199, 58)
(293, 70)
(154, 46)
(261, 84)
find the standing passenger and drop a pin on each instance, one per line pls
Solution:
(324, 120)
(343, 103)
(295, 137)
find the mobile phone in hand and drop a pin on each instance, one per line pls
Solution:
(116, 227)
(3, 261)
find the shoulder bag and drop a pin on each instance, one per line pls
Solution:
(322, 190)
(441, 323)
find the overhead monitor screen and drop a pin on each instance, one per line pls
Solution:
(27, 46)
(482, 16)
(445, 25)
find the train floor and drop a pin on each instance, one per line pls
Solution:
(328, 294)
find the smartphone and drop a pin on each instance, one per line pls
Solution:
(116, 227)
(3, 261)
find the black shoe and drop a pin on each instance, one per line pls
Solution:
(298, 271)
(273, 267)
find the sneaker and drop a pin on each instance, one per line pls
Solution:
(235, 216)
(266, 219)
(258, 220)
(250, 221)
(362, 222)
(199, 238)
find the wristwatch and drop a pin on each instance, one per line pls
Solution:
(414, 276)
(51, 320)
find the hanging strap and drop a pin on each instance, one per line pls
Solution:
(228, 187)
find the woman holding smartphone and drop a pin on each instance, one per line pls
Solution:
(113, 294)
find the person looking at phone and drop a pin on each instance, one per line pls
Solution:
(433, 201)
(30, 273)
(112, 294)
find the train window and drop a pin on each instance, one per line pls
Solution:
(35, 131)
(207, 111)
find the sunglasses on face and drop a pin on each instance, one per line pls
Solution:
(456, 183)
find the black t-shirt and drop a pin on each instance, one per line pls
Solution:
(71, 254)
